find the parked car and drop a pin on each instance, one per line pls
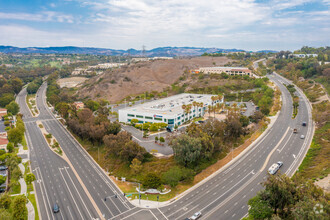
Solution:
(275, 167)
(3, 167)
(196, 216)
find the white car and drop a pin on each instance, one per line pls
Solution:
(275, 167)
(196, 216)
(302, 137)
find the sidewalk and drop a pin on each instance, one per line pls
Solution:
(29, 206)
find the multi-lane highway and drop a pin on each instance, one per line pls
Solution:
(225, 195)
(81, 186)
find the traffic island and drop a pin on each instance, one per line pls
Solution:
(51, 140)
(31, 102)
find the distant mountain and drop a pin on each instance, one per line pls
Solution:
(156, 52)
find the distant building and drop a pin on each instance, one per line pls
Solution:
(168, 110)
(3, 112)
(139, 59)
(79, 105)
(106, 65)
(161, 58)
(228, 70)
(78, 71)
(304, 55)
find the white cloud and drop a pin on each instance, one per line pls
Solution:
(45, 16)
(121, 24)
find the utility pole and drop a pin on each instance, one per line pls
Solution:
(143, 51)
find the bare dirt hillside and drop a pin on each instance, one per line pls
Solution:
(115, 85)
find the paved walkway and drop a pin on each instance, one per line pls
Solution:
(29, 206)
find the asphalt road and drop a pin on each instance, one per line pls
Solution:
(93, 177)
(224, 196)
(55, 182)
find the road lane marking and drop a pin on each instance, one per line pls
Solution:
(71, 193)
(42, 193)
(270, 154)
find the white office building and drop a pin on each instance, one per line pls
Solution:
(168, 110)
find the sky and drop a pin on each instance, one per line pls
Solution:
(123, 24)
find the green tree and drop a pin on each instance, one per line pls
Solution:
(6, 98)
(244, 120)
(29, 178)
(10, 148)
(134, 121)
(260, 209)
(92, 105)
(151, 180)
(136, 166)
(12, 107)
(186, 149)
(32, 88)
(19, 210)
(15, 136)
(172, 176)
(5, 201)
(162, 139)
(5, 214)
(2, 179)
(16, 174)
(17, 84)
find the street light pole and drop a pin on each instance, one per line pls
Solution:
(139, 195)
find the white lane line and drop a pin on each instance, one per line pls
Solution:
(107, 207)
(60, 169)
(285, 143)
(42, 193)
(66, 169)
(153, 214)
(270, 154)
(162, 214)
(227, 191)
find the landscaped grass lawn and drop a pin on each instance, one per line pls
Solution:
(16, 189)
(32, 199)
(24, 143)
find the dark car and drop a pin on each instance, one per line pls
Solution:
(56, 208)
(3, 168)
(304, 123)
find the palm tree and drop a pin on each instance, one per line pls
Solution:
(209, 108)
(216, 108)
(195, 104)
(220, 96)
(201, 105)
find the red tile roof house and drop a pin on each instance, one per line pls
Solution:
(79, 105)
(3, 112)
(3, 142)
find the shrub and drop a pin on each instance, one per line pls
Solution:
(162, 139)
(176, 174)
(156, 139)
(151, 180)
(7, 123)
(48, 135)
